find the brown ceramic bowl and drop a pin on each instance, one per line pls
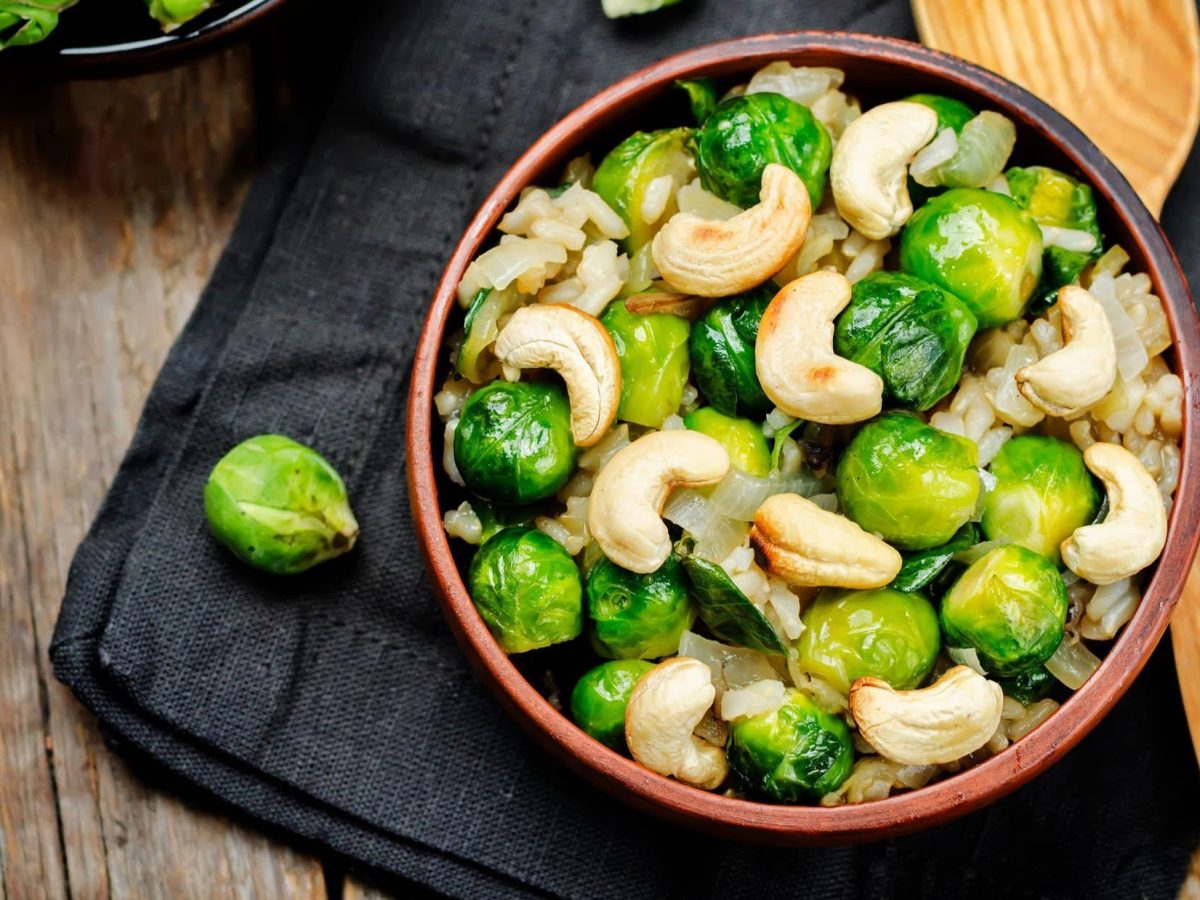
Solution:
(876, 69)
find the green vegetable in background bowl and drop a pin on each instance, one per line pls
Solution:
(600, 697)
(29, 21)
(527, 590)
(278, 505)
(638, 616)
(721, 348)
(173, 13)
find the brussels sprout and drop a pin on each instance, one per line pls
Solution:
(476, 362)
(702, 95)
(951, 113)
(654, 363)
(1043, 492)
(742, 438)
(745, 134)
(795, 754)
(638, 616)
(908, 481)
(721, 348)
(29, 21)
(912, 334)
(980, 246)
(1057, 200)
(495, 517)
(1029, 687)
(881, 633)
(1010, 606)
(170, 14)
(527, 590)
(278, 505)
(920, 569)
(623, 176)
(725, 610)
(513, 442)
(599, 699)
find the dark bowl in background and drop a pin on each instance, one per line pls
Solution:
(876, 69)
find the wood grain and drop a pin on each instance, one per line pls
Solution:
(115, 200)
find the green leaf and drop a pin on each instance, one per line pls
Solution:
(919, 569)
(726, 611)
(702, 94)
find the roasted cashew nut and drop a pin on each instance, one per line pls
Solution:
(1133, 533)
(954, 716)
(708, 258)
(794, 356)
(870, 166)
(1070, 380)
(625, 507)
(580, 349)
(807, 546)
(663, 710)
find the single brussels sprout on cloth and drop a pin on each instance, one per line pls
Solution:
(881, 633)
(654, 363)
(923, 567)
(1043, 492)
(29, 21)
(1066, 211)
(727, 612)
(744, 134)
(527, 590)
(910, 333)
(278, 505)
(1029, 687)
(721, 347)
(624, 178)
(980, 246)
(741, 438)
(907, 481)
(638, 616)
(513, 443)
(796, 754)
(599, 699)
(1010, 606)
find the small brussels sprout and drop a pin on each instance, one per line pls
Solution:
(626, 172)
(922, 568)
(476, 362)
(742, 439)
(1029, 687)
(798, 753)
(599, 699)
(908, 482)
(980, 246)
(1057, 200)
(527, 590)
(513, 443)
(881, 633)
(278, 505)
(638, 616)
(495, 517)
(745, 134)
(702, 96)
(725, 610)
(1010, 606)
(721, 348)
(951, 113)
(910, 333)
(1043, 492)
(654, 363)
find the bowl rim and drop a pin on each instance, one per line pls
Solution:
(907, 811)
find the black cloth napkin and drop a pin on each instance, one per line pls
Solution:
(335, 706)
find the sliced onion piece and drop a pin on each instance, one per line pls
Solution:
(1072, 663)
(1131, 354)
(984, 145)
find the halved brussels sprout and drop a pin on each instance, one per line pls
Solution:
(980, 246)
(638, 616)
(796, 754)
(745, 134)
(880, 633)
(921, 568)
(600, 697)
(742, 438)
(1010, 606)
(527, 590)
(721, 347)
(625, 174)
(481, 326)
(907, 481)
(910, 333)
(513, 443)
(728, 613)
(1043, 492)
(654, 363)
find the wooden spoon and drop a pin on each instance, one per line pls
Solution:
(1127, 72)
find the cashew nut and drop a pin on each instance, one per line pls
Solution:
(708, 258)
(1135, 529)
(580, 349)
(794, 355)
(810, 547)
(1083, 371)
(625, 507)
(954, 716)
(664, 708)
(870, 166)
